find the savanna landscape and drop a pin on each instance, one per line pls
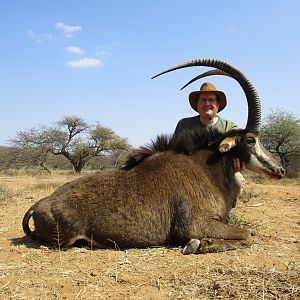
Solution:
(78, 96)
(269, 269)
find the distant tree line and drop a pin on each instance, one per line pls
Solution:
(71, 143)
(15, 158)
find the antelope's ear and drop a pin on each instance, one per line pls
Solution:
(227, 144)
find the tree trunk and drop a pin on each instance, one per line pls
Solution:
(77, 165)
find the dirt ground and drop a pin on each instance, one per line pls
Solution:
(269, 269)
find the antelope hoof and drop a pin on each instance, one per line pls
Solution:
(191, 247)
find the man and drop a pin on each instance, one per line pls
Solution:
(208, 101)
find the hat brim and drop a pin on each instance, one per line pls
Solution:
(194, 96)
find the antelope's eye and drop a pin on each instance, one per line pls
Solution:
(251, 140)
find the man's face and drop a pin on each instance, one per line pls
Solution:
(208, 104)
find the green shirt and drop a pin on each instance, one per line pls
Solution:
(191, 123)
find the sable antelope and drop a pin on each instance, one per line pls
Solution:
(175, 191)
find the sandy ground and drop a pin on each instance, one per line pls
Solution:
(269, 269)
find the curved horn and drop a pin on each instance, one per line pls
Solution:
(254, 107)
(205, 74)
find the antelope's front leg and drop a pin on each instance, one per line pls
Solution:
(219, 237)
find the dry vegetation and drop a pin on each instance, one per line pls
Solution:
(269, 269)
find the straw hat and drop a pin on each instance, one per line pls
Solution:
(207, 87)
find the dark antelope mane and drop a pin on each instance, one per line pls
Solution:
(188, 142)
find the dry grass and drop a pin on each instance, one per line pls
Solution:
(269, 269)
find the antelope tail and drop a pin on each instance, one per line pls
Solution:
(25, 222)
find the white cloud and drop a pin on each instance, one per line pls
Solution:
(75, 50)
(85, 63)
(100, 52)
(68, 30)
(39, 37)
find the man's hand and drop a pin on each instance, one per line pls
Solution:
(238, 166)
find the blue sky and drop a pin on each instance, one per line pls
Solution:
(94, 59)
